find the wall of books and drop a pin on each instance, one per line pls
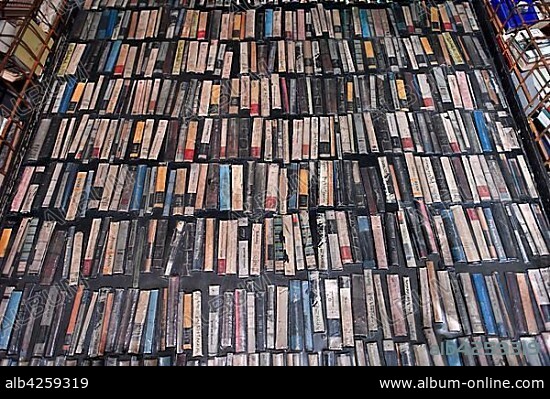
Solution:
(523, 36)
(275, 183)
(29, 31)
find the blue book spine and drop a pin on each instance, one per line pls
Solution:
(502, 331)
(293, 194)
(225, 188)
(165, 361)
(330, 360)
(484, 303)
(113, 56)
(364, 23)
(451, 350)
(546, 142)
(416, 88)
(336, 179)
(83, 205)
(135, 204)
(181, 16)
(102, 28)
(428, 145)
(308, 324)
(304, 361)
(507, 308)
(482, 131)
(169, 194)
(500, 326)
(457, 251)
(151, 317)
(544, 354)
(495, 284)
(365, 239)
(268, 23)
(113, 17)
(495, 237)
(9, 319)
(72, 170)
(334, 327)
(67, 94)
(344, 18)
(507, 328)
(296, 309)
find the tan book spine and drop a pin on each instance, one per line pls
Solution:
(197, 324)
(256, 249)
(382, 309)
(237, 188)
(527, 304)
(396, 305)
(187, 317)
(471, 303)
(281, 335)
(110, 250)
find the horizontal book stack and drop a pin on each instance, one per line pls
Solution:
(284, 183)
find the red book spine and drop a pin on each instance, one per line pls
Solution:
(472, 214)
(221, 266)
(407, 143)
(271, 202)
(254, 109)
(305, 151)
(189, 155)
(345, 254)
(455, 147)
(428, 102)
(87, 267)
(284, 94)
(483, 191)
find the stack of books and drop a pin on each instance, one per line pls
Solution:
(285, 183)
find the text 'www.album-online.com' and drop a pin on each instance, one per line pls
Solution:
(482, 383)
